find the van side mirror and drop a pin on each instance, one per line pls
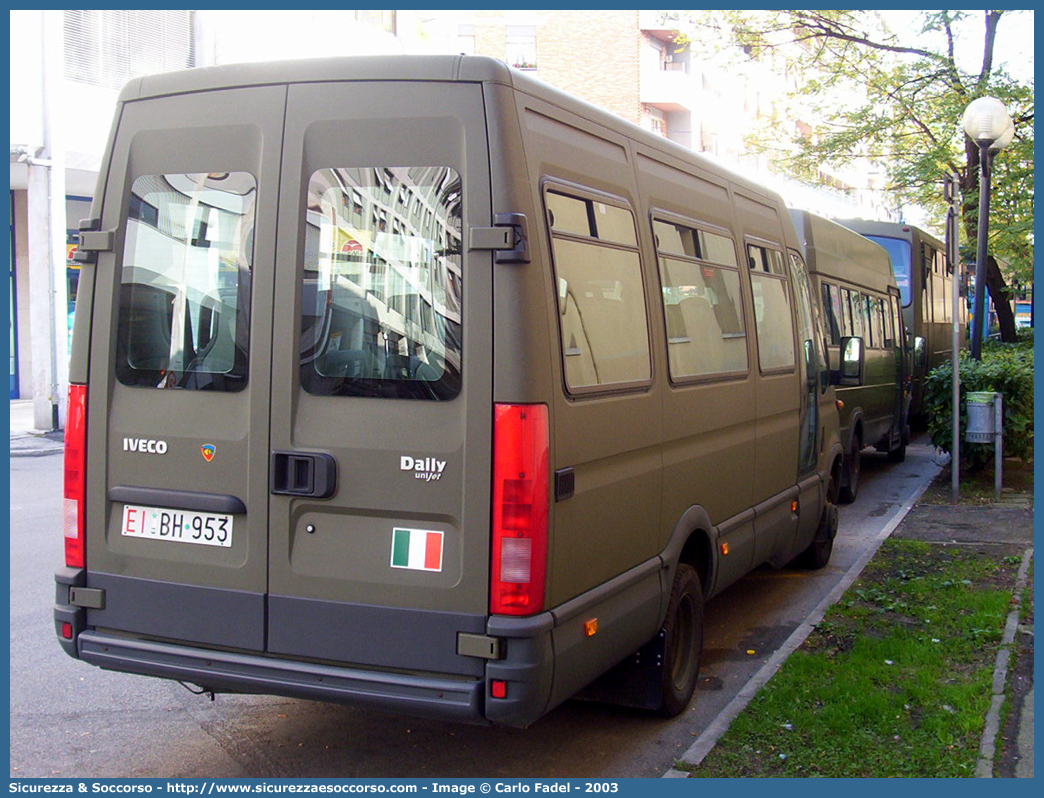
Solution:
(852, 358)
(920, 352)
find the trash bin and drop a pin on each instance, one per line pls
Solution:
(981, 425)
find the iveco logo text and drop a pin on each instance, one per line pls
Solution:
(427, 468)
(144, 445)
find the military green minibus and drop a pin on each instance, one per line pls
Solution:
(924, 275)
(858, 297)
(414, 383)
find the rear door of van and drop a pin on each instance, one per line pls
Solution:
(381, 378)
(179, 382)
(291, 452)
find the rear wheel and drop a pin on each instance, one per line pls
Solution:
(683, 642)
(850, 488)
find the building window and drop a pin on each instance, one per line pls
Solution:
(657, 53)
(466, 39)
(521, 46)
(109, 47)
(657, 121)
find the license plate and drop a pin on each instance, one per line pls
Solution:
(180, 526)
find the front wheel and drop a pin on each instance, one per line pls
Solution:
(683, 642)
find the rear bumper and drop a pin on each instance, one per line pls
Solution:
(544, 658)
(224, 671)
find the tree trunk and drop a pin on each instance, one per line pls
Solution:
(999, 294)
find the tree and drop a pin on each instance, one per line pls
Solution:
(912, 88)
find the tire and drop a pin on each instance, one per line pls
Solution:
(850, 488)
(817, 555)
(683, 642)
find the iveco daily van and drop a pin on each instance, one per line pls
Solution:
(853, 282)
(414, 383)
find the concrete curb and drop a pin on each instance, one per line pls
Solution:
(1024, 768)
(988, 746)
(29, 444)
(705, 743)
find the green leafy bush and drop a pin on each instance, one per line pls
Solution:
(1024, 340)
(1006, 369)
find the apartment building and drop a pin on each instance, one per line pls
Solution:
(67, 69)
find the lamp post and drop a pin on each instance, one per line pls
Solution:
(987, 123)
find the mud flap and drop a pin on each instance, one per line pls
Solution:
(827, 524)
(635, 682)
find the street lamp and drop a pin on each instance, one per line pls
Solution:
(987, 123)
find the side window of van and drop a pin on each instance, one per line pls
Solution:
(864, 313)
(184, 305)
(601, 296)
(877, 322)
(381, 283)
(772, 317)
(860, 326)
(832, 311)
(886, 322)
(701, 301)
(926, 286)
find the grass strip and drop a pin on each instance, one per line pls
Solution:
(894, 682)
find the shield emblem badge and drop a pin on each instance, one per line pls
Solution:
(208, 451)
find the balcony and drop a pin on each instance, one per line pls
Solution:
(669, 90)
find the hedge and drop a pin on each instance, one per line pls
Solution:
(1004, 368)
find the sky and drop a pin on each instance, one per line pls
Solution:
(1013, 47)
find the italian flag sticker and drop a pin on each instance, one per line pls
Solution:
(416, 549)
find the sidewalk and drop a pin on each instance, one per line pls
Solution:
(29, 442)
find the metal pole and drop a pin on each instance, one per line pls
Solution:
(953, 251)
(980, 250)
(54, 108)
(998, 444)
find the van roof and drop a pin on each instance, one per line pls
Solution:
(889, 229)
(834, 250)
(318, 70)
(457, 68)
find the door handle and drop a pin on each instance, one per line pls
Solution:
(311, 474)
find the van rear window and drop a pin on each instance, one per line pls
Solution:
(184, 302)
(382, 283)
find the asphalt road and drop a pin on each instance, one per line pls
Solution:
(69, 719)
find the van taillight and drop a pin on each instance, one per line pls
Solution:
(75, 460)
(520, 509)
